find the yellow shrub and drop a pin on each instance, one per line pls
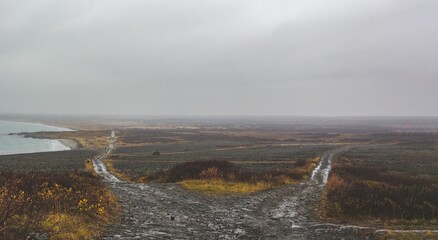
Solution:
(219, 186)
(66, 227)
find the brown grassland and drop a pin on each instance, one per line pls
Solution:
(222, 177)
(389, 177)
(390, 184)
(70, 205)
(55, 194)
(216, 162)
(370, 192)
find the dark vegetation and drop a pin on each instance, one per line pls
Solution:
(145, 136)
(411, 158)
(258, 148)
(386, 183)
(244, 134)
(217, 159)
(54, 194)
(372, 193)
(252, 156)
(228, 171)
(60, 205)
(392, 176)
(46, 161)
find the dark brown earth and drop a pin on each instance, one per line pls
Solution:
(47, 161)
(166, 211)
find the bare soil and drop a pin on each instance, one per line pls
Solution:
(166, 211)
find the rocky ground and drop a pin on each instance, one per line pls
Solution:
(166, 211)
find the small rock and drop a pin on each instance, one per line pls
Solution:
(40, 236)
(239, 232)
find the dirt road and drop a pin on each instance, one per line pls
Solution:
(166, 211)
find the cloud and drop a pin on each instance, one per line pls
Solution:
(219, 57)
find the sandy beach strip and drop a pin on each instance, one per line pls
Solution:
(72, 144)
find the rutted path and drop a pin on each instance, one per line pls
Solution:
(99, 165)
(166, 211)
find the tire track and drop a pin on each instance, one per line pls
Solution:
(166, 211)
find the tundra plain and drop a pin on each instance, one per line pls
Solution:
(257, 179)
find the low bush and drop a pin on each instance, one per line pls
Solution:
(69, 205)
(214, 186)
(372, 193)
(228, 172)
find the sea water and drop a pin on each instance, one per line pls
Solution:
(13, 144)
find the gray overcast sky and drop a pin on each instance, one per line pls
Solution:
(227, 57)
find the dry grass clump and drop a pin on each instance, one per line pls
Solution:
(370, 193)
(428, 235)
(119, 174)
(225, 177)
(214, 186)
(70, 205)
(88, 163)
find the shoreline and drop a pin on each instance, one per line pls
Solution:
(41, 124)
(67, 144)
(70, 143)
(47, 122)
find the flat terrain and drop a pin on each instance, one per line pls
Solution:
(420, 159)
(138, 161)
(46, 161)
(53, 194)
(386, 154)
(166, 211)
(393, 183)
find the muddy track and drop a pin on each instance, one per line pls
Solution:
(166, 211)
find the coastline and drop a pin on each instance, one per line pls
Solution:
(57, 126)
(70, 143)
(56, 145)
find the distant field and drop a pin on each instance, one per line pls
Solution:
(388, 177)
(46, 161)
(252, 148)
(253, 134)
(252, 153)
(393, 183)
(414, 158)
